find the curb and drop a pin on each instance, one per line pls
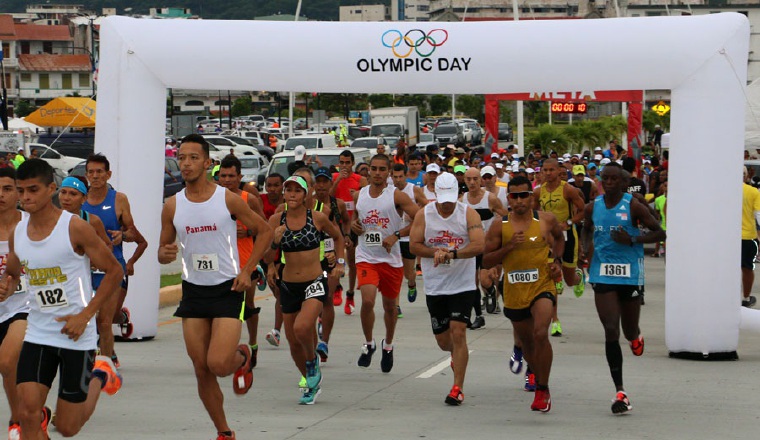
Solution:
(169, 295)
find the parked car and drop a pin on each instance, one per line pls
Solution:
(505, 132)
(311, 141)
(370, 143)
(449, 134)
(54, 158)
(173, 181)
(477, 133)
(254, 137)
(328, 157)
(254, 169)
(225, 144)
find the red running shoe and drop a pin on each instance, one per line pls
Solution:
(455, 397)
(637, 346)
(349, 307)
(542, 401)
(243, 377)
(338, 296)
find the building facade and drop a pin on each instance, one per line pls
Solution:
(365, 13)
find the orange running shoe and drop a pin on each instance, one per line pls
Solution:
(243, 377)
(104, 368)
(223, 436)
(637, 346)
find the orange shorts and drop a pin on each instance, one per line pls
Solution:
(386, 277)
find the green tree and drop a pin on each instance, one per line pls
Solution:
(24, 108)
(440, 104)
(242, 106)
(471, 106)
(549, 137)
(650, 119)
(381, 100)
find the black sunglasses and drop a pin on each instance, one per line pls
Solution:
(520, 195)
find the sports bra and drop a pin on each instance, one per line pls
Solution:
(304, 239)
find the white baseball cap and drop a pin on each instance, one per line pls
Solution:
(488, 169)
(597, 157)
(299, 152)
(433, 168)
(605, 161)
(499, 165)
(446, 188)
(494, 155)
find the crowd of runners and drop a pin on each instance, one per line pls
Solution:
(503, 235)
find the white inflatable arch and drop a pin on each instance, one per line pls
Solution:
(703, 60)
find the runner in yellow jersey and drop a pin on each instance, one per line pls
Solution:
(521, 242)
(566, 203)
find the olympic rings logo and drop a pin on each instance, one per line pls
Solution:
(415, 40)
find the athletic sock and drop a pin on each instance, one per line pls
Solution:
(371, 343)
(387, 346)
(615, 361)
(541, 387)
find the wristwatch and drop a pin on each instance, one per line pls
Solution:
(454, 254)
(569, 222)
(341, 261)
(397, 234)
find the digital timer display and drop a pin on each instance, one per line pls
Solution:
(569, 107)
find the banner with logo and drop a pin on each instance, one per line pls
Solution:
(491, 141)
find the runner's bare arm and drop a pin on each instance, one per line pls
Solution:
(258, 227)
(587, 233)
(537, 199)
(575, 197)
(417, 244)
(84, 238)
(496, 206)
(128, 224)
(556, 232)
(476, 234)
(100, 229)
(167, 248)
(419, 197)
(12, 275)
(494, 252)
(407, 205)
(641, 213)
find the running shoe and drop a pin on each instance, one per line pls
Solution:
(556, 328)
(560, 286)
(47, 420)
(455, 396)
(126, 325)
(254, 355)
(261, 281)
(419, 270)
(411, 294)
(349, 307)
(313, 373)
(14, 431)
(338, 296)
(399, 313)
(310, 396)
(530, 381)
(223, 436)
(542, 401)
(621, 404)
(322, 351)
(491, 300)
(366, 357)
(107, 372)
(516, 360)
(302, 384)
(637, 346)
(319, 328)
(273, 337)
(579, 288)
(386, 361)
(749, 302)
(115, 360)
(243, 377)
(478, 323)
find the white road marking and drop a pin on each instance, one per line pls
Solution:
(436, 369)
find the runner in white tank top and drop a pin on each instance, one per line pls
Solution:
(203, 215)
(448, 235)
(378, 225)
(55, 250)
(416, 194)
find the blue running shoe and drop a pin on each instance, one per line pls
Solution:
(516, 360)
(313, 373)
(322, 351)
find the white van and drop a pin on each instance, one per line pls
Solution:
(328, 157)
(311, 141)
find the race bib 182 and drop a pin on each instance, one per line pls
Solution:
(51, 297)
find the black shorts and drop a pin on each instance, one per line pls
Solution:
(326, 266)
(523, 314)
(446, 308)
(749, 253)
(5, 325)
(210, 302)
(292, 295)
(40, 363)
(570, 256)
(625, 292)
(406, 254)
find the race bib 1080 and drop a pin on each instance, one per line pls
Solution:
(615, 270)
(523, 276)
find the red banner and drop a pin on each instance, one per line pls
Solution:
(635, 133)
(580, 95)
(491, 141)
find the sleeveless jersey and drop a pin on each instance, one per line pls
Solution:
(501, 194)
(418, 181)
(106, 211)
(59, 285)
(555, 202)
(245, 244)
(526, 267)
(405, 220)
(586, 190)
(19, 301)
(208, 239)
(429, 195)
(343, 190)
(612, 262)
(267, 206)
(380, 220)
(449, 233)
(485, 213)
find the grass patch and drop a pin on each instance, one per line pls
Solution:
(170, 280)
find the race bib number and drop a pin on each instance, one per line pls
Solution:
(49, 298)
(349, 205)
(373, 238)
(315, 289)
(329, 244)
(23, 286)
(615, 270)
(205, 262)
(523, 276)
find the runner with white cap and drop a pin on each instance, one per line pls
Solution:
(431, 173)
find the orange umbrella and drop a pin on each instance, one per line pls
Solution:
(63, 112)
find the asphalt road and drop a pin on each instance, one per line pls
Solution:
(674, 399)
